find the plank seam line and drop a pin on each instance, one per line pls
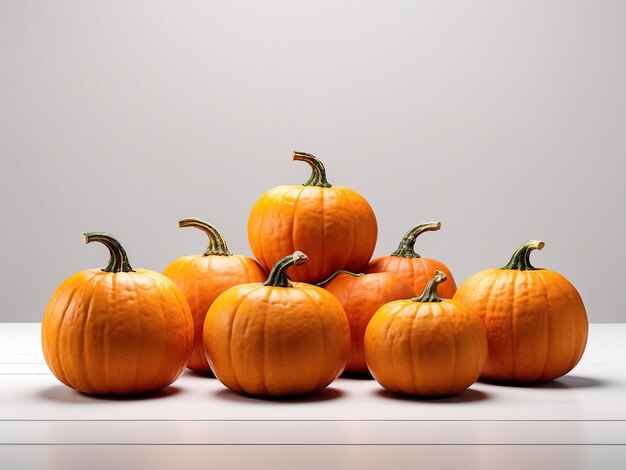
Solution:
(306, 444)
(318, 420)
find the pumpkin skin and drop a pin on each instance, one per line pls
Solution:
(425, 346)
(361, 296)
(203, 277)
(277, 339)
(117, 333)
(406, 263)
(334, 225)
(535, 319)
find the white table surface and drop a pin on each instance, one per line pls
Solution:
(576, 422)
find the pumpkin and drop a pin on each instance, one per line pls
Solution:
(535, 319)
(203, 277)
(117, 331)
(361, 295)
(334, 225)
(409, 265)
(426, 345)
(277, 338)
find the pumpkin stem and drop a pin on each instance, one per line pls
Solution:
(278, 274)
(521, 258)
(430, 291)
(406, 249)
(318, 174)
(217, 244)
(118, 260)
(333, 275)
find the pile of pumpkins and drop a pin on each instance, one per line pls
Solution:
(324, 308)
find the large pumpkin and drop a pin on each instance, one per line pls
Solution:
(426, 345)
(334, 225)
(203, 277)
(361, 295)
(277, 339)
(117, 330)
(535, 319)
(416, 270)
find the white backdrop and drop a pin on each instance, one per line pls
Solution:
(506, 120)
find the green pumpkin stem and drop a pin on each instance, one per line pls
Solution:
(318, 174)
(430, 291)
(340, 271)
(521, 258)
(278, 274)
(118, 260)
(217, 244)
(406, 249)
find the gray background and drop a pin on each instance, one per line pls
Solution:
(504, 120)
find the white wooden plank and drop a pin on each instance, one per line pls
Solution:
(313, 432)
(591, 393)
(20, 338)
(24, 358)
(24, 368)
(314, 457)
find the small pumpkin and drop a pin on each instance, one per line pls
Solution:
(203, 277)
(117, 331)
(406, 263)
(334, 225)
(426, 345)
(535, 319)
(277, 338)
(361, 295)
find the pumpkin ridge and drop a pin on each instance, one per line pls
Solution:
(135, 315)
(345, 263)
(565, 294)
(490, 298)
(58, 366)
(292, 221)
(414, 376)
(86, 370)
(548, 330)
(264, 260)
(231, 355)
(512, 329)
(322, 379)
(58, 337)
(266, 303)
(455, 347)
(393, 357)
(165, 370)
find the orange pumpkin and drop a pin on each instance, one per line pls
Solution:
(334, 225)
(361, 295)
(426, 345)
(117, 330)
(203, 277)
(416, 270)
(535, 319)
(277, 339)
